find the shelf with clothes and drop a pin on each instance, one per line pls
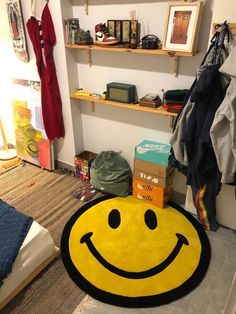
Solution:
(158, 110)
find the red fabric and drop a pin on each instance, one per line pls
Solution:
(50, 94)
(172, 107)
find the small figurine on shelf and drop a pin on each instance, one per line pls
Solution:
(104, 95)
(73, 27)
(83, 37)
(74, 35)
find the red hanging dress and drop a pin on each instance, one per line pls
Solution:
(43, 38)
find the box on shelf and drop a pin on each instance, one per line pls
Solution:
(152, 198)
(140, 186)
(154, 152)
(82, 164)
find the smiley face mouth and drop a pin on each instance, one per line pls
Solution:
(135, 275)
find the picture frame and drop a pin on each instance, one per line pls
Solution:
(182, 26)
(17, 29)
(126, 31)
(111, 25)
(118, 30)
(31, 141)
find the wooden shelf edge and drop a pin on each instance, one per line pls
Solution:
(136, 51)
(159, 111)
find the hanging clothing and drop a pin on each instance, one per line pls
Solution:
(42, 35)
(191, 143)
(223, 130)
(204, 175)
(214, 55)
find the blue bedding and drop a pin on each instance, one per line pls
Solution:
(14, 227)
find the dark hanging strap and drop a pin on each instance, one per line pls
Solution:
(222, 33)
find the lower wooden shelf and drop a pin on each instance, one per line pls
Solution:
(94, 100)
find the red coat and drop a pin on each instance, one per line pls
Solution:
(42, 34)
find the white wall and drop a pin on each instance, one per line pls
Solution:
(114, 128)
(225, 10)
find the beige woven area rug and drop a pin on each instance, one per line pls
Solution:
(48, 198)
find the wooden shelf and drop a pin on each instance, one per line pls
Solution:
(173, 54)
(136, 51)
(94, 100)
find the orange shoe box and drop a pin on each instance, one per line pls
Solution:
(152, 198)
(142, 186)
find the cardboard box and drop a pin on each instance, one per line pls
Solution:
(152, 198)
(82, 164)
(140, 186)
(155, 152)
(150, 167)
(153, 178)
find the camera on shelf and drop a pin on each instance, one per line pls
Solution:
(150, 42)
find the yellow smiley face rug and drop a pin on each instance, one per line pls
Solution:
(126, 252)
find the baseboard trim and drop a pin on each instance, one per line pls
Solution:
(62, 165)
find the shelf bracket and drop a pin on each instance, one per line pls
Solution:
(176, 62)
(92, 106)
(176, 65)
(86, 6)
(89, 58)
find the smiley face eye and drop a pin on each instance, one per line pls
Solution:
(114, 219)
(150, 219)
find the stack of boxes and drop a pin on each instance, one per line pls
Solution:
(152, 181)
(82, 164)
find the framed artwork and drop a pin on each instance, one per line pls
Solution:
(17, 29)
(111, 24)
(182, 26)
(118, 33)
(126, 31)
(32, 143)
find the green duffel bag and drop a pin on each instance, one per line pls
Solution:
(110, 173)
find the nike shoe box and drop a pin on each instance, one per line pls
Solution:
(152, 198)
(142, 186)
(154, 174)
(154, 152)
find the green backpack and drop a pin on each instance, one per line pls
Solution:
(110, 173)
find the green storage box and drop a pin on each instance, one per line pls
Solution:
(155, 152)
